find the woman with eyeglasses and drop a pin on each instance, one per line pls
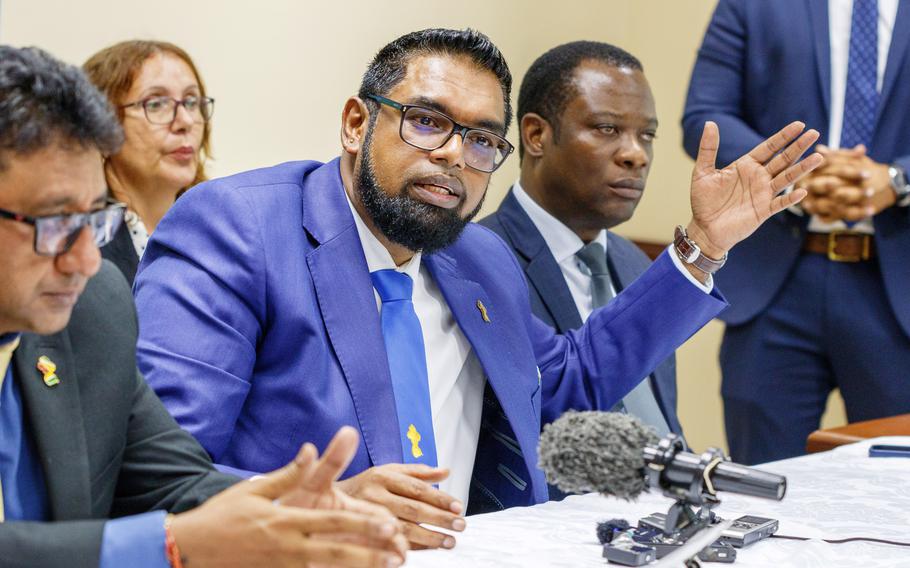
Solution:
(162, 105)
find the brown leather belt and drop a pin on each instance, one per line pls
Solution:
(841, 246)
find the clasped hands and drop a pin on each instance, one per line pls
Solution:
(295, 516)
(849, 186)
(300, 515)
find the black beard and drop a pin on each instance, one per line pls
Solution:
(405, 221)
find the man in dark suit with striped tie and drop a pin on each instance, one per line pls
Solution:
(587, 122)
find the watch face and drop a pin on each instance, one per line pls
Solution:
(687, 250)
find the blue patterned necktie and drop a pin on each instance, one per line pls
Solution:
(408, 366)
(861, 95)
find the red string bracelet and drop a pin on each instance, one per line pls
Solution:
(171, 551)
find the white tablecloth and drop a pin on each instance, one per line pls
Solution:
(833, 495)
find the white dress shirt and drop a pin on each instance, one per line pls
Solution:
(138, 233)
(564, 243)
(840, 21)
(455, 376)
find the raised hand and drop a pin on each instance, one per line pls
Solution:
(730, 203)
(254, 523)
(407, 491)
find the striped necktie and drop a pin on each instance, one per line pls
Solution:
(6, 355)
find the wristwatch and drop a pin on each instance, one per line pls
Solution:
(690, 253)
(899, 182)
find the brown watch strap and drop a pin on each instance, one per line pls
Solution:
(690, 253)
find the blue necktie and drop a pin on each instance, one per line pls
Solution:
(407, 365)
(861, 95)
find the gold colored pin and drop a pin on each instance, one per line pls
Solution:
(414, 437)
(483, 311)
(49, 369)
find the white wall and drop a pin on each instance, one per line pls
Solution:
(280, 71)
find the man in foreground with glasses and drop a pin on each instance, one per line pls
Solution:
(281, 303)
(93, 470)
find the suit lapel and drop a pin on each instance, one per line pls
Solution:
(542, 269)
(54, 416)
(818, 15)
(343, 290)
(487, 340)
(622, 269)
(900, 40)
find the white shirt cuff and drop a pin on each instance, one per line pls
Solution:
(707, 287)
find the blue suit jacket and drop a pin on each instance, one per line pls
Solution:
(259, 331)
(762, 65)
(551, 300)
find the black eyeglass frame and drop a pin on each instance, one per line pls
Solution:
(38, 221)
(457, 128)
(177, 104)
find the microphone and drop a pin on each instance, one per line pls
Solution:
(616, 454)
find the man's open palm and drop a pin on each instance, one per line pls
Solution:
(729, 204)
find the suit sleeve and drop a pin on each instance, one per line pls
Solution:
(199, 332)
(716, 87)
(595, 366)
(163, 467)
(71, 544)
(903, 162)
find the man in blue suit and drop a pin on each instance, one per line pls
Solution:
(818, 295)
(576, 185)
(280, 303)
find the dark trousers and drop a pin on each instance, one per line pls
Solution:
(829, 327)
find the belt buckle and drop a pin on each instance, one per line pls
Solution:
(834, 256)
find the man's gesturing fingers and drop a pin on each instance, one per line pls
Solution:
(792, 153)
(317, 521)
(422, 538)
(793, 174)
(777, 142)
(706, 159)
(337, 554)
(335, 459)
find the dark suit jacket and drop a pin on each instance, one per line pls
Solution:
(551, 300)
(762, 65)
(121, 252)
(107, 445)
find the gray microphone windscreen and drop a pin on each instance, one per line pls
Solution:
(581, 452)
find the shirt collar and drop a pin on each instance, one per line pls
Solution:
(377, 256)
(561, 240)
(8, 339)
(8, 344)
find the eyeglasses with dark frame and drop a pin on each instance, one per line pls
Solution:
(56, 234)
(429, 129)
(163, 110)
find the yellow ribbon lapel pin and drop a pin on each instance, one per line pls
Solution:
(49, 370)
(414, 437)
(483, 311)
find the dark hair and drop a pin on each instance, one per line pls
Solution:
(45, 101)
(114, 68)
(548, 86)
(389, 66)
